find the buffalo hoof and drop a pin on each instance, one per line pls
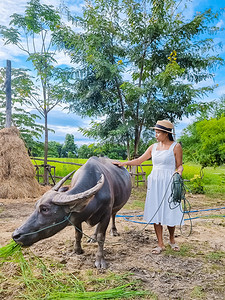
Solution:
(78, 251)
(114, 232)
(100, 264)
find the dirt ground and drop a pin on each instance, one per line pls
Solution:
(197, 272)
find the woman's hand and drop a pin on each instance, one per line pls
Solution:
(180, 170)
(119, 163)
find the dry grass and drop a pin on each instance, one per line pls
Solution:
(17, 174)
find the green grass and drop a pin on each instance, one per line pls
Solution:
(61, 169)
(8, 250)
(213, 180)
(39, 280)
(185, 251)
(215, 256)
(197, 293)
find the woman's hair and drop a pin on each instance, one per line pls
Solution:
(170, 137)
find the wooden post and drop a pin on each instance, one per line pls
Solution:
(8, 95)
(134, 172)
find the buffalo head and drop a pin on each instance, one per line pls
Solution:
(52, 212)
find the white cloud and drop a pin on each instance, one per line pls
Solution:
(61, 132)
(181, 125)
(10, 51)
(63, 59)
(10, 7)
(187, 120)
(220, 91)
(76, 8)
(220, 24)
(64, 129)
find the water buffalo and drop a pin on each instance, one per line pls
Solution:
(98, 190)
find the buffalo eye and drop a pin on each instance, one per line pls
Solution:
(44, 209)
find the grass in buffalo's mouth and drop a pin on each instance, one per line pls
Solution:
(11, 248)
(37, 280)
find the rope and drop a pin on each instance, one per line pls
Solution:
(177, 198)
(198, 210)
(91, 238)
(50, 226)
(66, 218)
(127, 217)
(149, 222)
(177, 191)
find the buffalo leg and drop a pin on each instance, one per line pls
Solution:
(100, 262)
(113, 230)
(78, 237)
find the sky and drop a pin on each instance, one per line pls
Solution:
(60, 120)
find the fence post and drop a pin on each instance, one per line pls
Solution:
(8, 95)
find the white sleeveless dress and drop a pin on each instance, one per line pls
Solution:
(157, 209)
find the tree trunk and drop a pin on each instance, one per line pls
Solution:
(136, 141)
(46, 148)
(128, 149)
(8, 95)
(138, 130)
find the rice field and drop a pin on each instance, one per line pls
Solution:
(213, 180)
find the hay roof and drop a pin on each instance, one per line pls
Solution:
(17, 173)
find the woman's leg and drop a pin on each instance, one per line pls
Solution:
(172, 243)
(171, 230)
(159, 234)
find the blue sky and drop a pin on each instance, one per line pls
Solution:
(59, 120)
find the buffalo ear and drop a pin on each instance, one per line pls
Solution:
(63, 189)
(79, 206)
(60, 183)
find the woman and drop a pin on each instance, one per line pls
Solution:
(166, 158)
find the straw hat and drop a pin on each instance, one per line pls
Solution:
(164, 125)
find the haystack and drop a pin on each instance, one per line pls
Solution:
(17, 174)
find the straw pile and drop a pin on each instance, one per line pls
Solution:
(17, 174)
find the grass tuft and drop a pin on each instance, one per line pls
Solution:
(216, 256)
(10, 249)
(120, 292)
(40, 281)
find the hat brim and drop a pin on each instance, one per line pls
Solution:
(162, 130)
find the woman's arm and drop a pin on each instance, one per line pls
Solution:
(178, 152)
(139, 160)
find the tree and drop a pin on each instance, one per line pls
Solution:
(22, 87)
(69, 148)
(85, 151)
(113, 151)
(204, 140)
(139, 62)
(55, 149)
(218, 110)
(36, 27)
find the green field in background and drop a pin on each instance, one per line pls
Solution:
(213, 179)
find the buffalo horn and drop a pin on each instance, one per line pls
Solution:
(64, 199)
(60, 183)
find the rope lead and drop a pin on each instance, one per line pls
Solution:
(177, 198)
